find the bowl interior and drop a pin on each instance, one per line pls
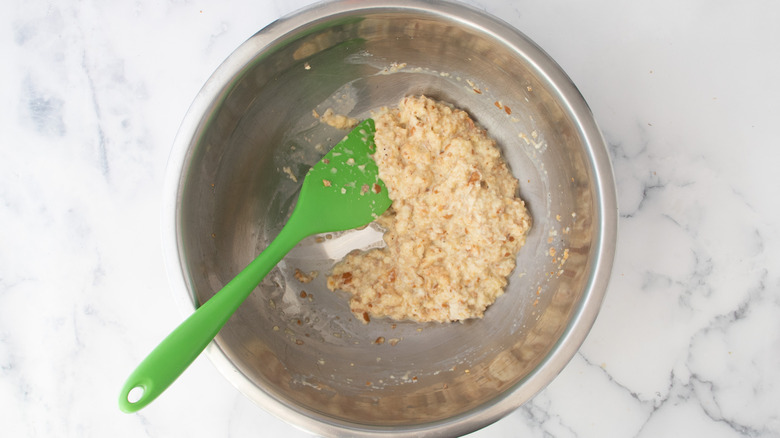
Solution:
(306, 350)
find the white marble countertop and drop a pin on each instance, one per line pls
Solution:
(686, 93)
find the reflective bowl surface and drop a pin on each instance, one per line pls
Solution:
(303, 356)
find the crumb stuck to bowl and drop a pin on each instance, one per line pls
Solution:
(304, 277)
(338, 121)
(287, 171)
(455, 225)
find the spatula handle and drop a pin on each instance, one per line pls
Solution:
(177, 351)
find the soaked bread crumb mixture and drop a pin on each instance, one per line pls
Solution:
(455, 225)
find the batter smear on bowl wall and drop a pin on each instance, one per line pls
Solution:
(455, 226)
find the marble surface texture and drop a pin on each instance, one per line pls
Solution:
(686, 92)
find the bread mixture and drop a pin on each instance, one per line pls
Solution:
(455, 225)
(338, 121)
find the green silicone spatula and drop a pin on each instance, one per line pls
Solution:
(342, 191)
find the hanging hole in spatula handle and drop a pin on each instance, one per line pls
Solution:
(135, 396)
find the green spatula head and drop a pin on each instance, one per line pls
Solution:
(342, 191)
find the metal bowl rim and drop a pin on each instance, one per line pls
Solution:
(606, 201)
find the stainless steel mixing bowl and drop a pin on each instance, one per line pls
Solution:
(295, 348)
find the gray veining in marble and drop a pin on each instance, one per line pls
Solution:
(687, 343)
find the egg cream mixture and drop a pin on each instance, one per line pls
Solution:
(455, 225)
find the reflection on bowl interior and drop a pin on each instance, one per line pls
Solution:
(298, 341)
